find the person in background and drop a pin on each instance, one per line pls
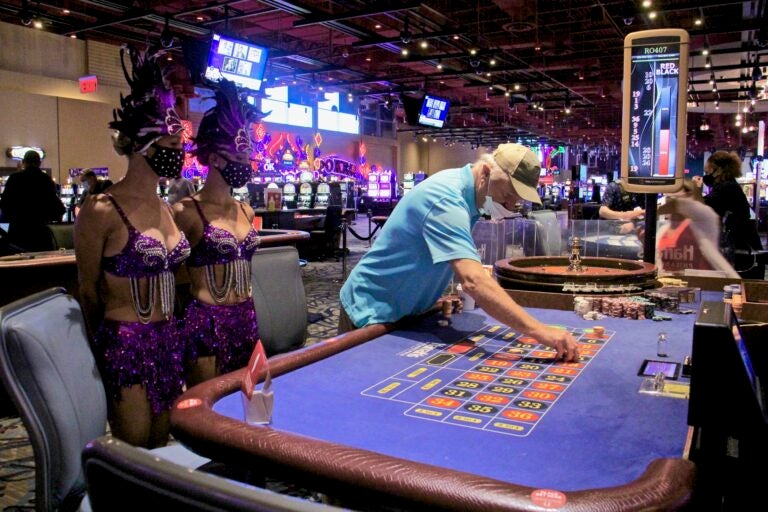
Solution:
(220, 324)
(726, 197)
(90, 184)
(29, 203)
(691, 238)
(127, 248)
(428, 238)
(179, 188)
(618, 204)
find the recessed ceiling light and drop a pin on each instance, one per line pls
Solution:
(377, 26)
(65, 11)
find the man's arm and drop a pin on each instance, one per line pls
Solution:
(492, 298)
(606, 213)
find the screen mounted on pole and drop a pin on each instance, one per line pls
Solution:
(655, 91)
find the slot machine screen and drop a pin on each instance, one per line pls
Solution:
(654, 110)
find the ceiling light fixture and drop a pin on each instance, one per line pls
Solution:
(405, 34)
(704, 127)
(166, 36)
(25, 15)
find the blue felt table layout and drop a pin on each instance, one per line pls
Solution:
(495, 379)
(598, 432)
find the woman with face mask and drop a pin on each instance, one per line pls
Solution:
(727, 198)
(220, 323)
(127, 248)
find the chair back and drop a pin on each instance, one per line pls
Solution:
(279, 298)
(63, 235)
(333, 218)
(50, 373)
(124, 477)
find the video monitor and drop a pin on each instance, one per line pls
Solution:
(237, 60)
(654, 110)
(433, 111)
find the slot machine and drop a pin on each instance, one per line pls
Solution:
(588, 192)
(305, 195)
(373, 186)
(385, 186)
(67, 196)
(322, 195)
(274, 197)
(289, 195)
(255, 194)
(408, 182)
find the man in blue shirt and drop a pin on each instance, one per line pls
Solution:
(428, 238)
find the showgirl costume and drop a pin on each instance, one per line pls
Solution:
(147, 353)
(227, 331)
(144, 352)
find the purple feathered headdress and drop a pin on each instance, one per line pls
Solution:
(148, 111)
(225, 127)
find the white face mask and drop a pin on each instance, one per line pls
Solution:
(497, 211)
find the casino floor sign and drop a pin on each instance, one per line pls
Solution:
(495, 380)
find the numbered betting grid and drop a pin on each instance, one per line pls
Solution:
(494, 380)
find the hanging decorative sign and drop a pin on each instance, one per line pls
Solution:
(17, 152)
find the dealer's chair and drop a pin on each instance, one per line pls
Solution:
(327, 239)
(122, 477)
(49, 371)
(279, 298)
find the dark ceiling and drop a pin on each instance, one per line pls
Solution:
(532, 57)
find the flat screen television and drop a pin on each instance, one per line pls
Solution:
(235, 59)
(433, 111)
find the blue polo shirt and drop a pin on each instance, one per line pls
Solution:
(408, 268)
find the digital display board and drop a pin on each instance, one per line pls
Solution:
(655, 93)
(236, 60)
(433, 111)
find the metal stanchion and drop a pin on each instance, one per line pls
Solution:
(370, 238)
(343, 249)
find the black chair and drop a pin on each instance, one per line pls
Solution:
(63, 235)
(327, 239)
(49, 371)
(279, 298)
(122, 477)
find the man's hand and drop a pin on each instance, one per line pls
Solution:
(633, 214)
(559, 339)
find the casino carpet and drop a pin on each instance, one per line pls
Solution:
(322, 280)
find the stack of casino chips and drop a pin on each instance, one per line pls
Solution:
(665, 301)
(634, 307)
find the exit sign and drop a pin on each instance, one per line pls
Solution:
(88, 84)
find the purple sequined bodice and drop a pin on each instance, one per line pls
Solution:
(218, 246)
(142, 255)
